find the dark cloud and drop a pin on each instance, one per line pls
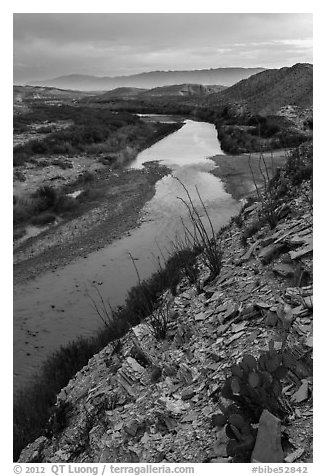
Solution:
(48, 45)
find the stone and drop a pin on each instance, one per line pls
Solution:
(191, 416)
(234, 337)
(294, 456)
(238, 327)
(262, 305)
(309, 341)
(187, 394)
(135, 365)
(231, 312)
(33, 452)
(250, 209)
(301, 252)
(301, 394)
(132, 427)
(268, 448)
(270, 252)
(200, 317)
(284, 270)
(219, 460)
(249, 252)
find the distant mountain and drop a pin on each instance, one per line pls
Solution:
(269, 91)
(153, 79)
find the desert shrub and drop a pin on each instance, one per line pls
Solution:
(242, 435)
(20, 158)
(203, 237)
(254, 385)
(65, 204)
(290, 138)
(46, 129)
(107, 160)
(38, 147)
(19, 233)
(63, 164)
(20, 214)
(86, 176)
(18, 175)
(266, 126)
(238, 220)
(88, 195)
(299, 166)
(251, 230)
(43, 218)
(267, 195)
(47, 197)
(159, 319)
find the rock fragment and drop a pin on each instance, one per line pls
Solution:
(268, 448)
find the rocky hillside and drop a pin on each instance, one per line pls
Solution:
(143, 399)
(268, 91)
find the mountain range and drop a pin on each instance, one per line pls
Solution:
(153, 79)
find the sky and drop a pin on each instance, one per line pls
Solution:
(48, 45)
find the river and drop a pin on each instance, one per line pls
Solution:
(55, 308)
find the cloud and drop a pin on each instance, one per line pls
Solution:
(113, 44)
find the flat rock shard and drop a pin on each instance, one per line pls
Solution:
(268, 448)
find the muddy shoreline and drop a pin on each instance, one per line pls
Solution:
(235, 173)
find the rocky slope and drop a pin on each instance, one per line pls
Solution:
(269, 91)
(144, 400)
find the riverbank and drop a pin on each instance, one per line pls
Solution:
(238, 178)
(149, 399)
(121, 195)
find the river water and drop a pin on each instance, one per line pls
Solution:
(55, 308)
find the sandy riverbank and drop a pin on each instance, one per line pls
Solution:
(117, 211)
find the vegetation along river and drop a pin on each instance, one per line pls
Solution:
(55, 308)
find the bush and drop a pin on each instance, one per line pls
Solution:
(65, 204)
(251, 230)
(299, 165)
(47, 197)
(254, 385)
(43, 219)
(86, 176)
(203, 238)
(20, 158)
(159, 319)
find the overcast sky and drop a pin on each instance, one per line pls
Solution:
(48, 45)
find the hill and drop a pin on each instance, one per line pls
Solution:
(121, 93)
(26, 95)
(269, 91)
(183, 90)
(175, 91)
(153, 79)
